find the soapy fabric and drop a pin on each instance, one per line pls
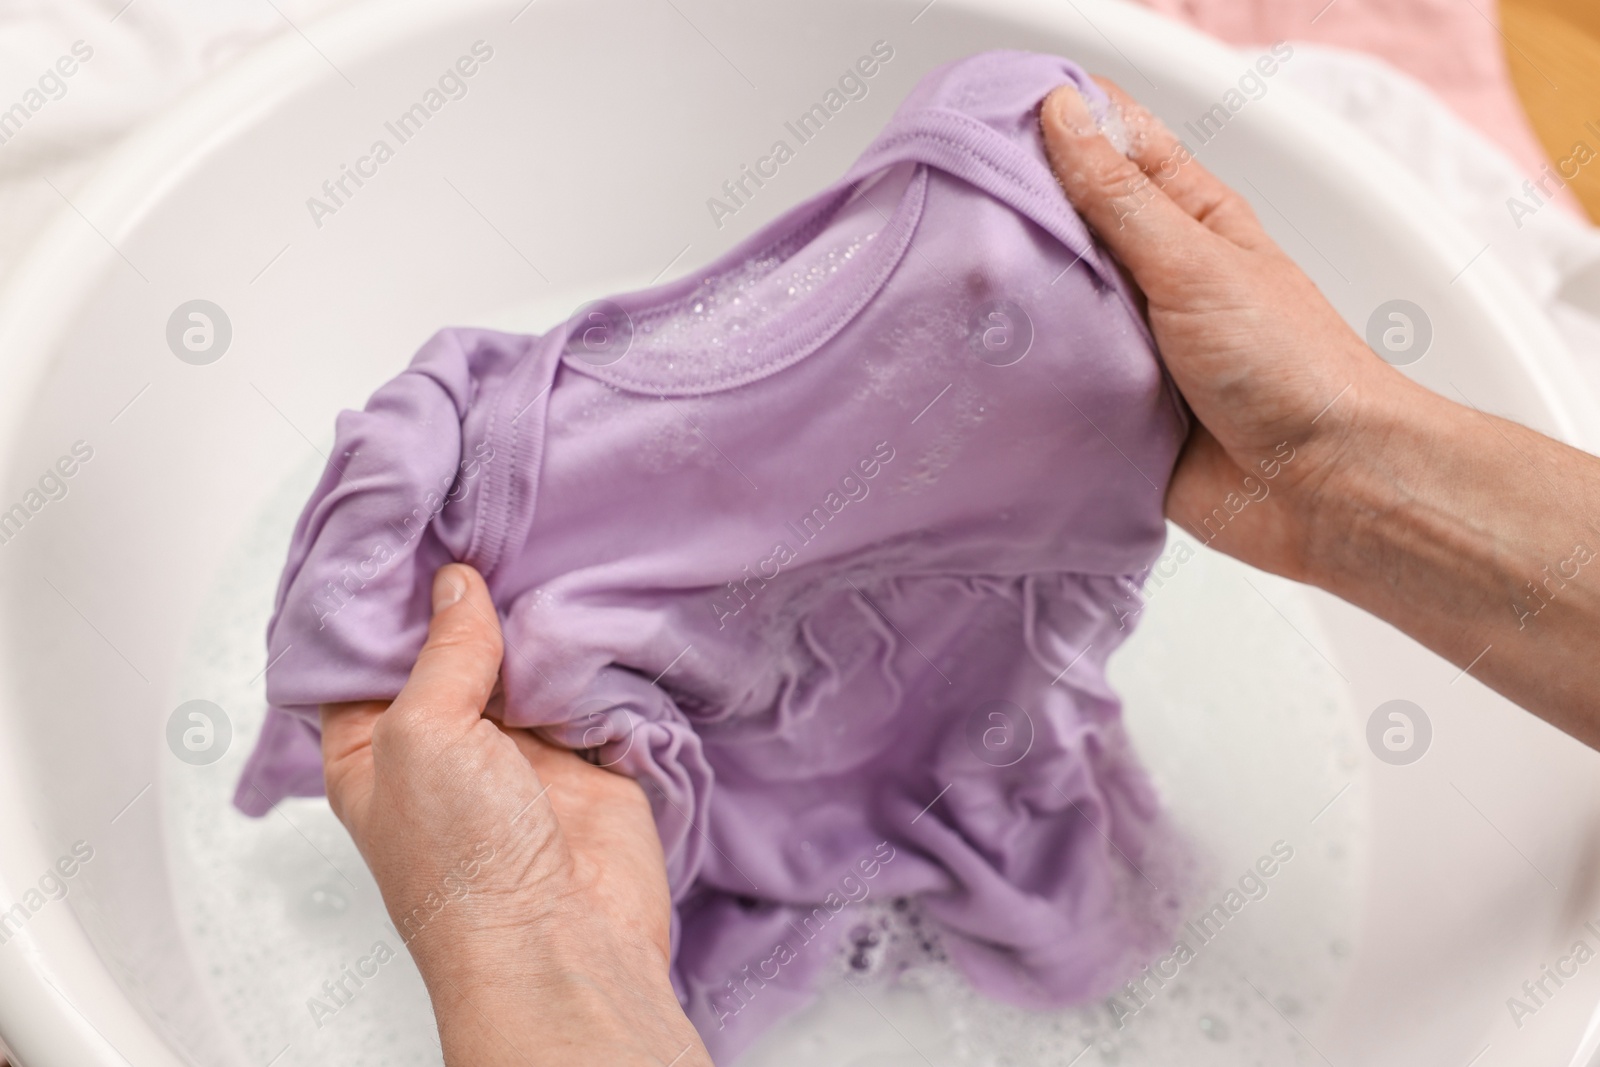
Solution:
(826, 544)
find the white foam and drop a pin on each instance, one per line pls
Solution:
(1237, 715)
(1226, 701)
(276, 906)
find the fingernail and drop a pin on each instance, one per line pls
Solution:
(1072, 112)
(448, 588)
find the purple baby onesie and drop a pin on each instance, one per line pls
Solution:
(825, 544)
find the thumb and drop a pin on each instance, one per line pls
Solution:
(459, 663)
(1141, 224)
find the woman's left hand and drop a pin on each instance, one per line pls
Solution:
(529, 885)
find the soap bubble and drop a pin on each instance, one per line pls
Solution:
(326, 900)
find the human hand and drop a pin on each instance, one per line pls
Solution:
(529, 885)
(1470, 533)
(1274, 376)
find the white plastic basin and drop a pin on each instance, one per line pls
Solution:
(580, 161)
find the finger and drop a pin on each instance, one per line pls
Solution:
(1129, 212)
(457, 668)
(347, 751)
(1167, 160)
(1205, 478)
(1204, 474)
(347, 728)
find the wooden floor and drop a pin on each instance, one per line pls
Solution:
(1553, 49)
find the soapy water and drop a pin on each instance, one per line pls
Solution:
(1227, 703)
(1114, 126)
(1237, 715)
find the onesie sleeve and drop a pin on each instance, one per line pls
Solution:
(397, 500)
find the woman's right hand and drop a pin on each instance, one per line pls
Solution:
(1272, 373)
(1475, 535)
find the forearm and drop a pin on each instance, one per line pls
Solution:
(1477, 537)
(574, 1022)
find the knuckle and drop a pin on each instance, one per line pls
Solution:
(1114, 176)
(1236, 206)
(409, 735)
(333, 783)
(1172, 160)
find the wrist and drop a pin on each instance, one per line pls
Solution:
(552, 953)
(1374, 500)
(567, 1019)
(1281, 500)
(558, 990)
